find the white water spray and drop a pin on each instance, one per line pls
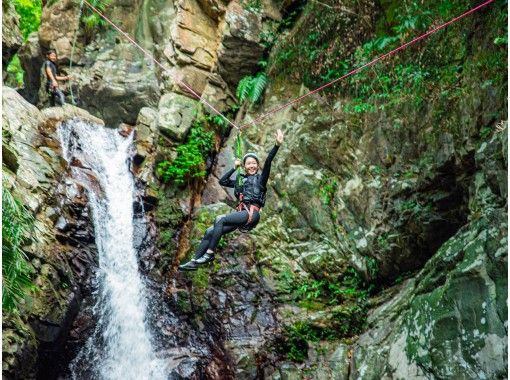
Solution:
(120, 348)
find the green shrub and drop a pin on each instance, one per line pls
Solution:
(17, 224)
(15, 72)
(91, 20)
(190, 160)
(29, 12)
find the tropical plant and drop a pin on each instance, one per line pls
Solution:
(190, 160)
(29, 12)
(251, 88)
(91, 20)
(15, 72)
(17, 224)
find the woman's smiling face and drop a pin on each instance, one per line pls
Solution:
(251, 166)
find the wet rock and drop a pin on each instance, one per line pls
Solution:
(453, 304)
(11, 36)
(175, 115)
(32, 58)
(35, 178)
(240, 48)
(116, 85)
(59, 23)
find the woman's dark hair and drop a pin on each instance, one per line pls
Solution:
(51, 51)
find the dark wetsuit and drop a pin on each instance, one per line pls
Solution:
(56, 95)
(254, 192)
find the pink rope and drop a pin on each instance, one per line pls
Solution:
(147, 54)
(276, 109)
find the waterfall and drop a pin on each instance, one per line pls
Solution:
(120, 347)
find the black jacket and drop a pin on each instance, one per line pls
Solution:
(253, 186)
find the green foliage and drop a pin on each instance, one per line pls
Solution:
(327, 189)
(348, 287)
(345, 321)
(17, 224)
(239, 155)
(502, 40)
(251, 88)
(15, 72)
(298, 336)
(30, 15)
(190, 160)
(315, 53)
(414, 207)
(91, 20)
(218, 121)
(254, 6)
(485, 132)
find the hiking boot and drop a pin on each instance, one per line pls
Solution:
(206, 258)
(189, 266)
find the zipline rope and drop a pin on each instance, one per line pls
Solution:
(432, 31)
(285, 105)
(148, 55)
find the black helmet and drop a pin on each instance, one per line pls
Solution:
(253, 155)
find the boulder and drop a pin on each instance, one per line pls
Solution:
(59, 24)
(116, 85)
(240, 49)
(32, 59)
(11, 36)
(175, 115)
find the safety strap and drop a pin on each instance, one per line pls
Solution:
(242, 206)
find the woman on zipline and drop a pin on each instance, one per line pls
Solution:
(251, 194)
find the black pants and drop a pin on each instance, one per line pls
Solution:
(56, 96)
(223, 225)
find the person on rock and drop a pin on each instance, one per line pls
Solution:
(251, 195)
(52, 77)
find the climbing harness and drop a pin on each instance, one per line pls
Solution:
(251, 209)
(239, 184)
(285, 105)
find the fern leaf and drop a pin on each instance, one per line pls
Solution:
(244, 88)
(258, 85)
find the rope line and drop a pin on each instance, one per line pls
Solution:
(285, 105)
(401, 47)
(150, 56)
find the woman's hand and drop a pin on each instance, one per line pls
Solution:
(237, 163)
(279, 137)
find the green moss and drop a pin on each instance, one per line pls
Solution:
(183, 302)
(200, 278)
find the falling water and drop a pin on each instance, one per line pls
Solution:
(120, 347)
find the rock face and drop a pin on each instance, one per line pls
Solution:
(389, 195)
(31, 57)
(11, 36)
(116, 86)
(59, 24)
(450, 320)
(62, 252)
